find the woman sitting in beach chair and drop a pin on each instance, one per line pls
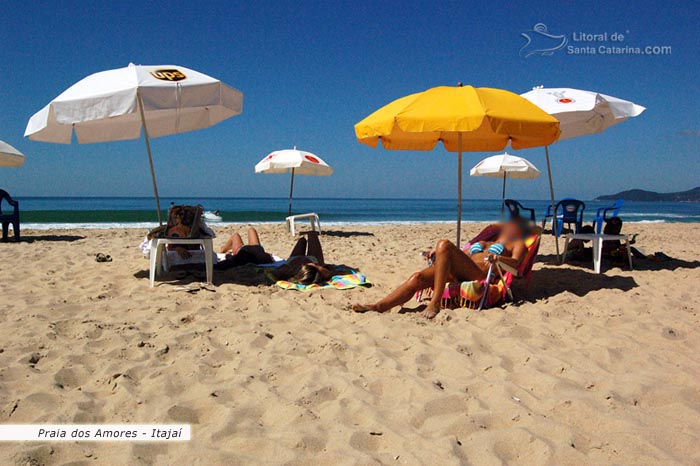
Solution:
(451, 264)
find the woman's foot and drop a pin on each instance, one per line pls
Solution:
(430, 311)
(362, 308)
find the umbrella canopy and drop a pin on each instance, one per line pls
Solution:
(296, 162)
(9, 156)
(580, 113)
(116, 104)
(505, 166)
(498, 166)
(464, 119)
(293, 160)
(487, 120)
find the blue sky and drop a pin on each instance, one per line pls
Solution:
(310, 70)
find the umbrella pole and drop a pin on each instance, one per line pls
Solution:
(503, 197)
(150, 158)
(551, 195)
(459, 192)
(291, 190)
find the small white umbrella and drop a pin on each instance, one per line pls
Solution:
(580, 113)
(117, 104)
(296, 162)
(9, 156)
(504, 166)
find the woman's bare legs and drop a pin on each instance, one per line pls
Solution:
(233, 244)
(450, 263)
(314, 247)
(253, 238)
(402, 294)
(299, 248)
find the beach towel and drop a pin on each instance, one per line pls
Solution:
(339, 282)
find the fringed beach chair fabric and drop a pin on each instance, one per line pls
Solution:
(499, 277)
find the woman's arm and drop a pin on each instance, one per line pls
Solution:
(515, 258)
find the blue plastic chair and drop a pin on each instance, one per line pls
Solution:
(601, 215)
(571, 213)
(548, 213)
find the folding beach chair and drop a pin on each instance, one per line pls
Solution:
(499, 276)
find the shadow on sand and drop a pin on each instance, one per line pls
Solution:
(190, 274)
(47, 238)
(551, 281)
(347, 234)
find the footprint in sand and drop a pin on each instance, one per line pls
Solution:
(365, 442)
(183, 414)
(450, 405)
(70, 377)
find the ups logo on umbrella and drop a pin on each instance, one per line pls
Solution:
(169, 75)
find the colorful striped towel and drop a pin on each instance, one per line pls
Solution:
(339, 282)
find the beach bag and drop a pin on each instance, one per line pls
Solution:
(184, 222)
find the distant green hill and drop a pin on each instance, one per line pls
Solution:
(692, 195)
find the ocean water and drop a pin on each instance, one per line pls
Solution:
(139, 212)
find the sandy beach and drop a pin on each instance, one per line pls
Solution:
(585, 369)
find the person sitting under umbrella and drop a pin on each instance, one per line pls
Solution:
(449, 264)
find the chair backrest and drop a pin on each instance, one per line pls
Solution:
(549, 206)
(514, 207)
(490, 233)
(5, 196)
(532, 243)
(572, 210)
(617, 205)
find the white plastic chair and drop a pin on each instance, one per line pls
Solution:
(158, 259)
(313, 220)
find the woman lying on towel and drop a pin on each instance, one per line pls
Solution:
(451, 264)
(239, 253)
(305, 264)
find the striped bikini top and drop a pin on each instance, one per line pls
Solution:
(495, 248)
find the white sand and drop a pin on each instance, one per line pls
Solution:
(590, 369)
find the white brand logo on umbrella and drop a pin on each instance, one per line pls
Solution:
(169, 75)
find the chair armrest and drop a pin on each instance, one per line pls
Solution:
(532, 212)
(507, 268)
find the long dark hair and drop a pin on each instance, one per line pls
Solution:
(307, 275)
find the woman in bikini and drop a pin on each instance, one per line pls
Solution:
(305, 265)
(452, 264)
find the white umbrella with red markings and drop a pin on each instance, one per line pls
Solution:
(296, 162)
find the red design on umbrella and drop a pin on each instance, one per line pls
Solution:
(565, 100)
(311, 159)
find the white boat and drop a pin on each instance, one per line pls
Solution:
(212, 216)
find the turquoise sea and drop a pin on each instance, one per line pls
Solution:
(109, 212)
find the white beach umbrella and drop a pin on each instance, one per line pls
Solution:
(117, 104)
(505, 166)
(9, 156)
(296, 162)
(580, 113)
